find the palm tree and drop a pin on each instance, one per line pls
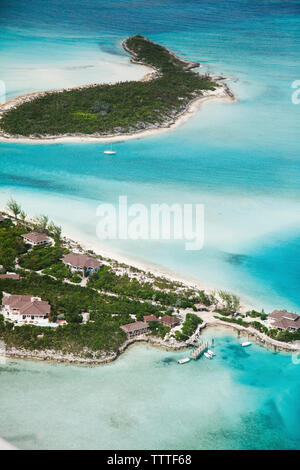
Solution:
(13, 207)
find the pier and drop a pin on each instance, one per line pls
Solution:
(199, 350)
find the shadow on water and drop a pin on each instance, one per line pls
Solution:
(166, 361)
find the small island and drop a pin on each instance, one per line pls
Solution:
(108, 110)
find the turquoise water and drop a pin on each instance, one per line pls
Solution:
(242, 399)
(241, 160)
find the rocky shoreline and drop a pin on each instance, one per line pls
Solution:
(103, 358)
(62, 357)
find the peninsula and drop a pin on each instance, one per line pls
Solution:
(103, 111)
(62, 302)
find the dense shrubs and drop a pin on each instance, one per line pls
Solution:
(120, 108)
(41, 257)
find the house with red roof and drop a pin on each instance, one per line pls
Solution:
(23, 309)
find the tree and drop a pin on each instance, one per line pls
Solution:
(23, 216)
(41, 223)
(13, 207)
(55, 231)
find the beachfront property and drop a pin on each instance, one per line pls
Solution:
(284, 321)
(136, 328)
(169, 321)
(24, 309)
(14, 276)
(36, 238)
(79, 262)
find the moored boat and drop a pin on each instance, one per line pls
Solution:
(184, 360)
(246, 343)
(208, 356)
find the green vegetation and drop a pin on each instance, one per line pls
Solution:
(254, 314)
(11, 244)
(107, 314)
(106, 280)
(58, 270)
(157, 329)
(231, 302)
(119, 108)
(188, 328)
(40, 257)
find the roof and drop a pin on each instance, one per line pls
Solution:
(150, 318)
(137, 325)
(81, 261)
(27, 305)
(279, 314)
(170, 320)
(10, 276)
(36, 237)
(285, 320)
(2, 218)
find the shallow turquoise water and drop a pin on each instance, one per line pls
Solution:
(242, 399)
(241, 160)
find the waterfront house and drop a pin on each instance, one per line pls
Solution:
(283, 320)
(36, 238)
(79, 262)
(24, 309)
(148, 318)
(169, 321)
(14, 276)
(135, 328)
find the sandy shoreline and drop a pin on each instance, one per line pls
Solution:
(221, 92)
(218, 94)
(152, 268)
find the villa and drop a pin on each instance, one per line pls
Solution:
(36, 238)
(24, 309)
(79, 262)
(283, 320)
(169, 321)
(135, 328)
(13, 276)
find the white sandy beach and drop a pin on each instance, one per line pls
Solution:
(193, 107)
(151, 268)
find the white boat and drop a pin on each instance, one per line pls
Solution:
(110, 152)
(211, 353)
(246, 343)
(183, 361)
(208, 356)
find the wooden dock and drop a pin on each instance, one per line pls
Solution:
(199, 350)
